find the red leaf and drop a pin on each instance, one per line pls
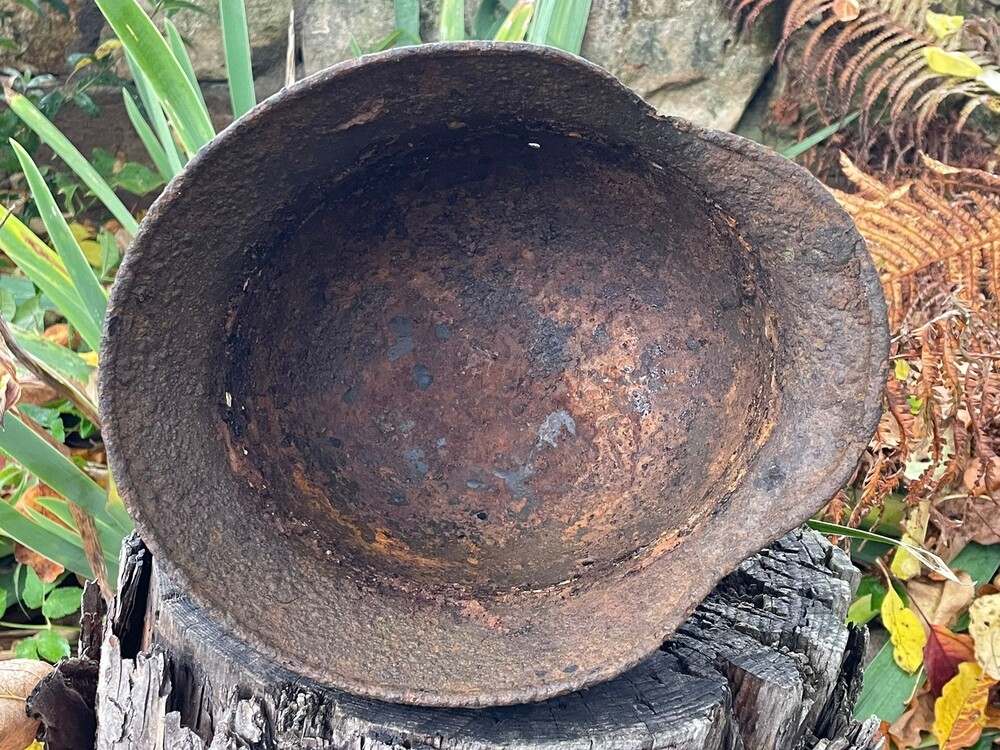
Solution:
(943, 652)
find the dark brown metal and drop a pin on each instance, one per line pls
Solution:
(456, 376)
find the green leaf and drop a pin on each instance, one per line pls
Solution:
(30, 315)
(819, 136)
(50, 419)
(153, 57)
(137, 178)
(52, 646)
(8, 307)
(47, 271)
(110, 254)
(27, 649)
(236, 45)
(486, 22)
(62, 602)
(515, 25)
(66, 151)
(539, 31)
(156, 115)
(407, 15)
(568, 24)
(148, 138)
(389, 41)
(92, 294)
(34, 591)
(35, 453)
(452, 21)
(45, 540)
(355, 47)
(55, 358)
(177, 46)
(109, 534)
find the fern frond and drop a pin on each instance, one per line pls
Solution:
(947, 220)
(876, 62)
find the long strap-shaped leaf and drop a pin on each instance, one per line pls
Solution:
(236, 46)
(148, 138)
(36, 455)
(452, 21)
(539, 31)
(156, 116)
(66, 151)
(568, 24)
(45, 540)
(150, 51)
(92, 294)
(515, 25)
(176, 42)
(48, 273)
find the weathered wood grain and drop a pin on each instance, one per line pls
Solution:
(765, 663)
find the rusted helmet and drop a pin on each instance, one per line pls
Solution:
(455, 375)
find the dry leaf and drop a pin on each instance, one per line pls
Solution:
(942, 655)
(942, 602)
(984, 627)
(907, 634)
(960, 712)
(918, 717)
(18, 678)
(46, 569)
(846, 10)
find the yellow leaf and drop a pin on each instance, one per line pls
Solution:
(956, 64)
(92, 252)
(902, 369)
(960, 712)
(942, 25)
(904, 565)
(904, 628)
(81, 231)
(107, 48)
(83, 62)
(90, 358)
(36, 745)
(984, 627)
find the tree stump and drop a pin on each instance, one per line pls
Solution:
(765, 663)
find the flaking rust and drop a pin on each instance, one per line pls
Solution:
(504, 376)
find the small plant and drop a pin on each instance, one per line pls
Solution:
(896, 61)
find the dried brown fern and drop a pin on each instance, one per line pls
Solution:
(875, 59)
(942, 229)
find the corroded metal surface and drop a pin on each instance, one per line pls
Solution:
(454, 376)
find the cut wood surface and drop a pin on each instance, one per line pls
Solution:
(765, 663)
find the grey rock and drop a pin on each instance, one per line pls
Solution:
(684, 56)
(268, 26)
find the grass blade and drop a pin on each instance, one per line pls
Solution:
(236, 46)
(407, 14)
(92, 294)
(66, 151)
(177, 46)
(452, 23)
(515, 25)
(44, 268)
(44, 540)
(148, 138)
(538, 32)
(568, 24)
(151, 54)
(43, 460)
(819, 136)
(109, 539)
(163, 132)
